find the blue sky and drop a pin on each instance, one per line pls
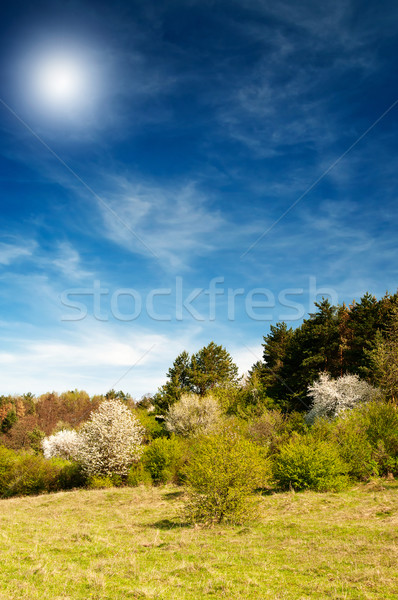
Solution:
(213, 168)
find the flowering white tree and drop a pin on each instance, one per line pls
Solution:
(193, 414)
(65, 444)
(330, 397)
(110, 441)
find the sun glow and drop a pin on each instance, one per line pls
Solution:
(59, 82)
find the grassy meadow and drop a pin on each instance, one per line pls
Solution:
(122, 543)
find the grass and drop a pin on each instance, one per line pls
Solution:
(124, 543)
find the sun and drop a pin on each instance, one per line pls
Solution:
(59, 81)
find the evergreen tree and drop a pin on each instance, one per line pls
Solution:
(383, 358)
(276, 347)
(364, 320)
(314, 347)
(211, 367)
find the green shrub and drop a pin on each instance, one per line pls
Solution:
(380, 421)
(7, 467)
(35, 437)
(244, 402)
(9, 420)
(354, 447)
(71, 474)
(306, 463)
(22, 473)
(272, 429)
(163, 459)
(153, 429)
(223, 470)
(99, 482)
(138, 475)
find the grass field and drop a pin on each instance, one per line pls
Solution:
(130, 543)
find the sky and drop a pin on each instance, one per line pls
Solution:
(177, 172)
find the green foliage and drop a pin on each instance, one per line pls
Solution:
(383, 358)
(212, 366)
(138, 475)
(9, 420)
(71, 475)
(380, 422)
(349, 437)
(179, 382)
(22, 473)
(307, 463)
(272, 429)
(120, 395)
(153, 428)
(164, 458)
(36, 436)
(247, 400)
(98, 482)
(365, 437)
(223, 471)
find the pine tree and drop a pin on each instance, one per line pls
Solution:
(211, 367)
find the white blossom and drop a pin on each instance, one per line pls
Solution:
(110, 441)
(333, 396)
(193, 414)
(64, 444)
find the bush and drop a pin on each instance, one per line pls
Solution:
(163, 460)
(97, 482)
(223, 471)
(22, 474)
(137, 475)
(380, 422)
(153, 429)
(110, 441)
(64, 444)
(273, 428)
(71, 476)
(306, 463)
(331, 397)
(350, 439)
(193, 414)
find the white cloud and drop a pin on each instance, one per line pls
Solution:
(10, 253)
(90, 355)
(68, 262)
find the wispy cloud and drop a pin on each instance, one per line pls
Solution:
(291, 93)
(90, 355)
(177, 221)
(12, 252)
(67, 262)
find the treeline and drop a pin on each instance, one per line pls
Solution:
(26, 420)
(360, 339)
(355, 339)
